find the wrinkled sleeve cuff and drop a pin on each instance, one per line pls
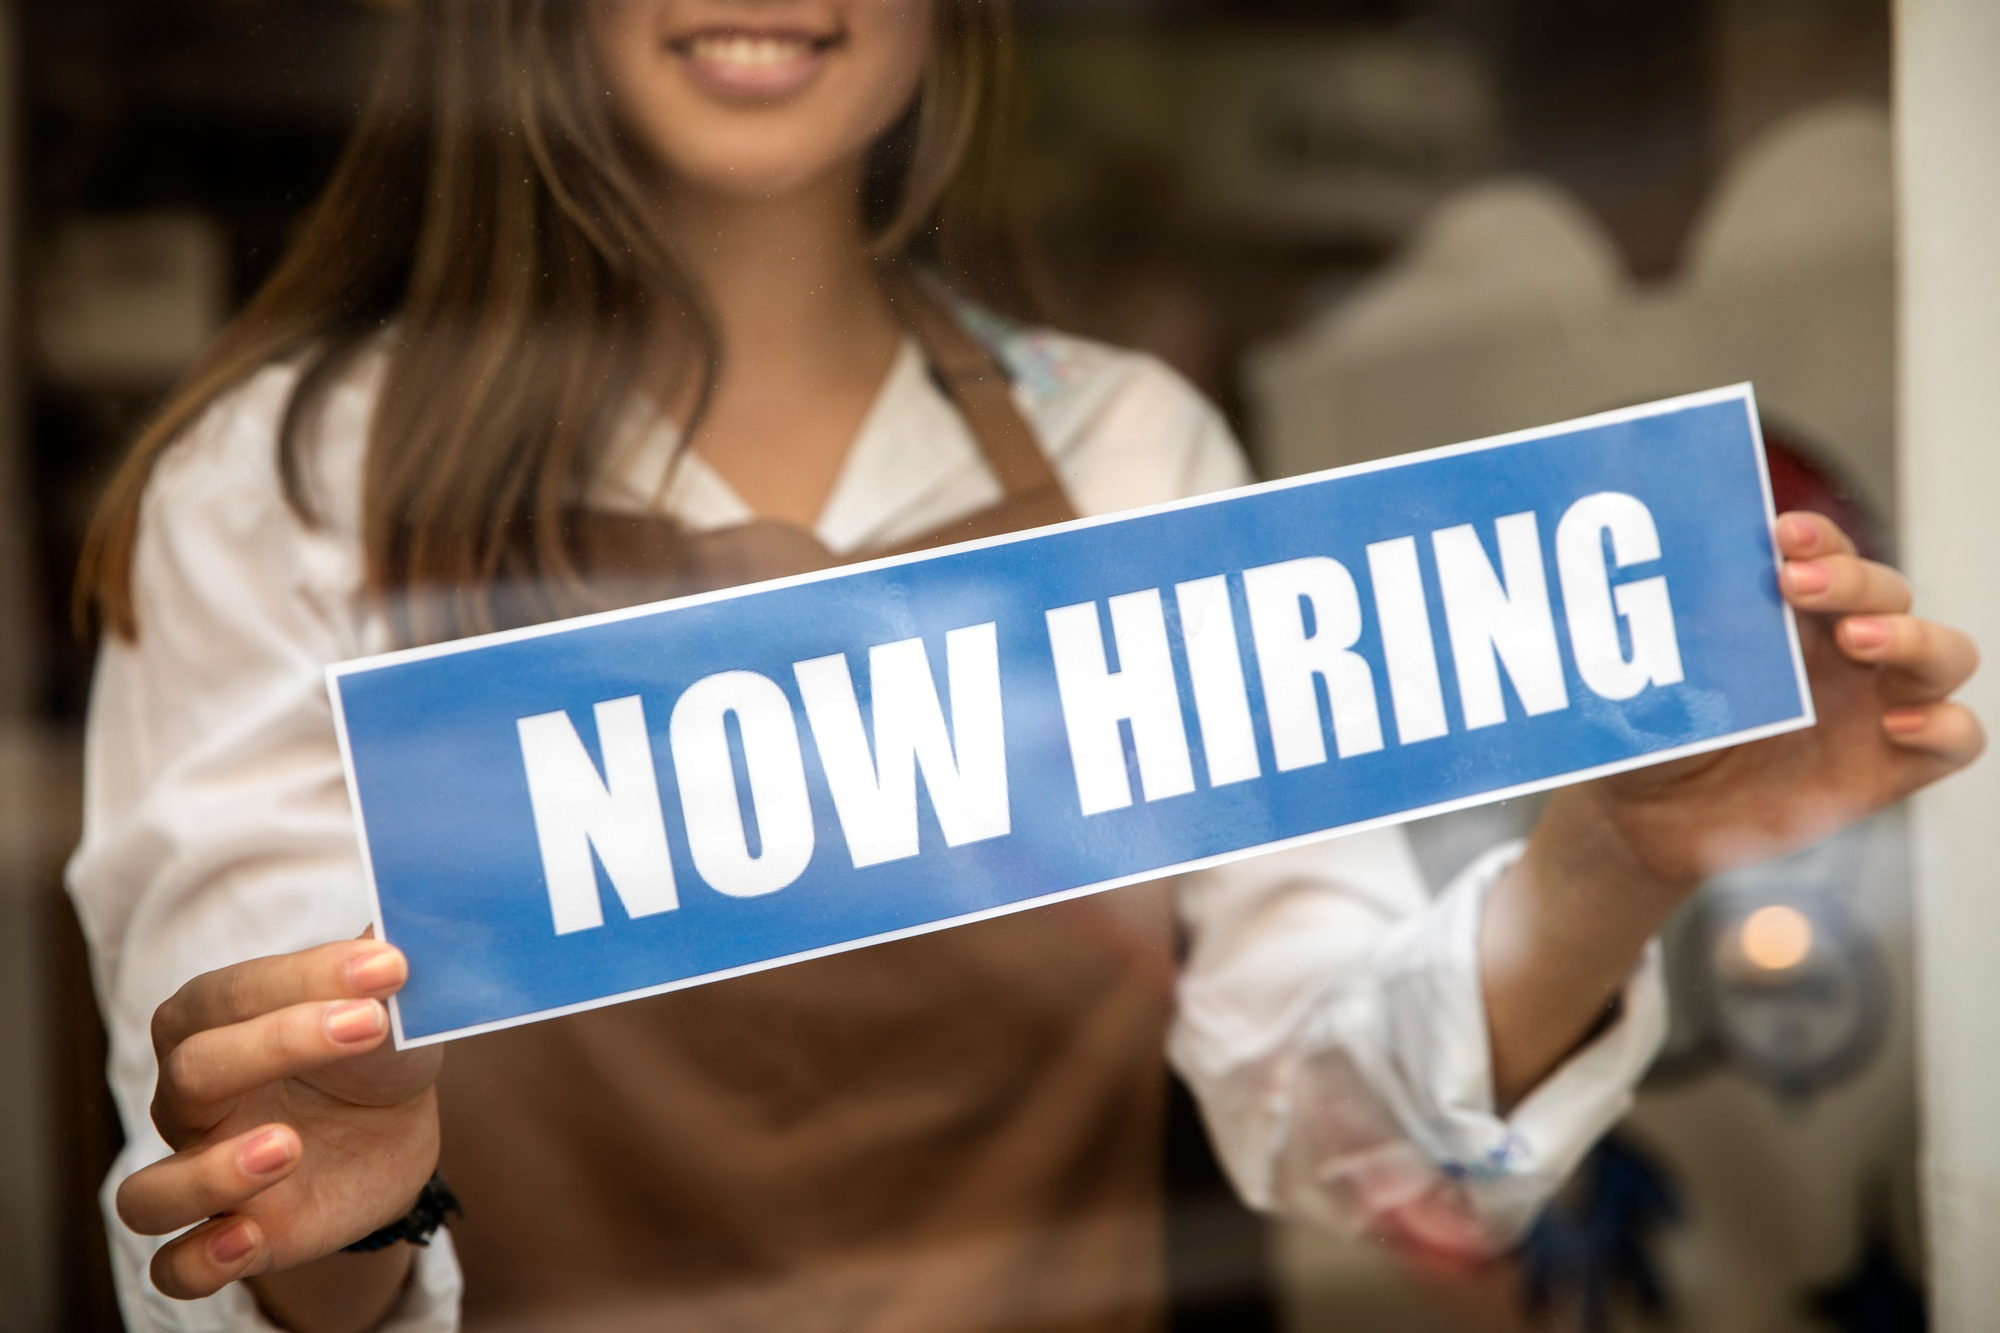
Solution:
(1508, 1168)
(430, 1303)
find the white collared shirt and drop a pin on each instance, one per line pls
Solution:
(1330, 1018)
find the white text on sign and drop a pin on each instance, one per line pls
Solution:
(1305, 619)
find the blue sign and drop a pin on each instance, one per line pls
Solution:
(566, 816)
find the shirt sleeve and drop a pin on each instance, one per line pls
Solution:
(1332, 1026)
(216, 824)
(1331, 1021)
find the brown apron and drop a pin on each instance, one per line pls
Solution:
(956, 1132)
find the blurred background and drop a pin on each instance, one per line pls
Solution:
(1363, 227)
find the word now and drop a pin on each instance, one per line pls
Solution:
(1306, 616)
(564, 816)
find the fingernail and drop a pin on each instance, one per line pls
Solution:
(229, 1245)
(1794, 531)
(1866, 633)
(268, 1152)
(1904, 721)
(353, 1020)
(380, 970)
(1808, 577)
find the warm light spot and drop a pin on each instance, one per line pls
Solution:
(1776, 938)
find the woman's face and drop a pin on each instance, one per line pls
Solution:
(758, 97)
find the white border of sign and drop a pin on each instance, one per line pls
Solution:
(1744, 393)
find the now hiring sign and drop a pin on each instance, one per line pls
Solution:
(578, 813)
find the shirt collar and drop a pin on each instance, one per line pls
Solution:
(911, 445)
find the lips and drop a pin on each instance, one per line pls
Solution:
(754, 64)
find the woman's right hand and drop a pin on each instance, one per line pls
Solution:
(297, 1128)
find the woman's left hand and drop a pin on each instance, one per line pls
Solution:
(1882, 681)
(1610, 860)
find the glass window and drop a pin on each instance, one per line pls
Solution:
(428, 317)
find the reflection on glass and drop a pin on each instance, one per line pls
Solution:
(1361, 229)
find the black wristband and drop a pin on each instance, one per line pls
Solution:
(426, 1215)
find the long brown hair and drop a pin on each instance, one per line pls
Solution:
(488, 216)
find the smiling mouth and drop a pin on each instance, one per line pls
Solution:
(754, 63)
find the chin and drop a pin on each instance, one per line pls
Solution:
(756, 164)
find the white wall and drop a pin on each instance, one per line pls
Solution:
(1948, 102)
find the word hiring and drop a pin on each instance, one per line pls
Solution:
(1305, 620)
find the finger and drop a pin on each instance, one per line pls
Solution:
(210, 1068)
(1804, 535)
(209, 1258)
(1948, 731)
(188, 1187)
(1844, 584)
(349, 969)
(1936, 658)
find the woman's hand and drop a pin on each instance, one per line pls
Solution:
(1611, 860)
(1882, 681)
(297, 1129)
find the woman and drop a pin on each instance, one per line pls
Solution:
(613, 298)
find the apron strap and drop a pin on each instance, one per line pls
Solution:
(979, 387)
(632, 558)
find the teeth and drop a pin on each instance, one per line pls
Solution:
(749, 51)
